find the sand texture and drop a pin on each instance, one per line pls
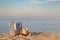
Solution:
(31, 36)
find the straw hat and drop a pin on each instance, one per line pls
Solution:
(25, 31)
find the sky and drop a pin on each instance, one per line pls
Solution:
(30, 9)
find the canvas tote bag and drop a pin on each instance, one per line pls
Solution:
(15, 28)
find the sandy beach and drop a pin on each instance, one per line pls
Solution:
(32, 36)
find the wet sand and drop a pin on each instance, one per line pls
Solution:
(31, 36)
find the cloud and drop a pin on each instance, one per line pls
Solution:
(36, 2)
(43, 0)
(40, 1)
(53, 0)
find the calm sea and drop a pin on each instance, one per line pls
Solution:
(41, 25)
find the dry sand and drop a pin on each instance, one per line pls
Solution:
(32, 36)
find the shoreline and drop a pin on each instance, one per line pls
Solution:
(32, 36)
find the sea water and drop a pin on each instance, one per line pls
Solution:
(39, 25)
